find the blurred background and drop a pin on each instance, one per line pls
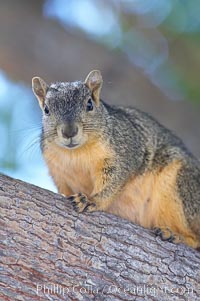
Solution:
(147, 50)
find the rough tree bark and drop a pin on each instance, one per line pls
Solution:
(49, 252)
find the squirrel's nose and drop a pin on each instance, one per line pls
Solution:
(69, 130)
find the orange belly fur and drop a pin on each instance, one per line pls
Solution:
(77, 170)
(149, 200)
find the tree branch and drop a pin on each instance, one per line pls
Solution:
(49, 252)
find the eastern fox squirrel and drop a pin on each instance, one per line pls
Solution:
(119, 160)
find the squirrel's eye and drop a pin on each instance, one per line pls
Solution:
(46, 110)
(89, 105)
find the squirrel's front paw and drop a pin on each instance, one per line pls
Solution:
(81, 203)
(167, 235)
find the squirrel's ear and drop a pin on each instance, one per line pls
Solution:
(39, 88)
(94, 82)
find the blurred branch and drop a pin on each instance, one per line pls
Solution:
(31, 45)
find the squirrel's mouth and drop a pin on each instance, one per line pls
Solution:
(72, 145)
(68, 144)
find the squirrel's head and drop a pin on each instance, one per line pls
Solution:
(70, 109)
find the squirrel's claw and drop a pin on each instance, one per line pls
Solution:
(167, 235)
(81, 203)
